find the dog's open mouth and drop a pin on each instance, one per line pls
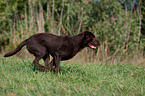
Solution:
(91, 46)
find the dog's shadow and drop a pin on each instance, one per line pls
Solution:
(63, 69)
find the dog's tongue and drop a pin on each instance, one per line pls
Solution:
(93, 47)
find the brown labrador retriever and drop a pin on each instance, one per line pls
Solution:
(59, 47)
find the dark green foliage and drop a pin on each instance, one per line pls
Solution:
(110, 20)
(143, 16)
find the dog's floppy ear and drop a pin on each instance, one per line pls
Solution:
(88, 34)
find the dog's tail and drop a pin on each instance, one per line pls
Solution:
(16, 50)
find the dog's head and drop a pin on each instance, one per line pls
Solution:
(90, 41)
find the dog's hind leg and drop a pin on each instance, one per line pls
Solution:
(46, 61)
(36, 63)
(39, 52)
(56, 61)
(51, 65)
(55, 64)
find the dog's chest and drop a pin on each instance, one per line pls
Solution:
(66, 52)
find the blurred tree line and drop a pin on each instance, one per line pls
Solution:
(118, 24)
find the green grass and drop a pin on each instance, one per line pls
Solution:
(18, 77)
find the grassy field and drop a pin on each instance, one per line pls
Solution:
(18, 77)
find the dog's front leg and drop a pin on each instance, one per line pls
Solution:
(57, 59)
